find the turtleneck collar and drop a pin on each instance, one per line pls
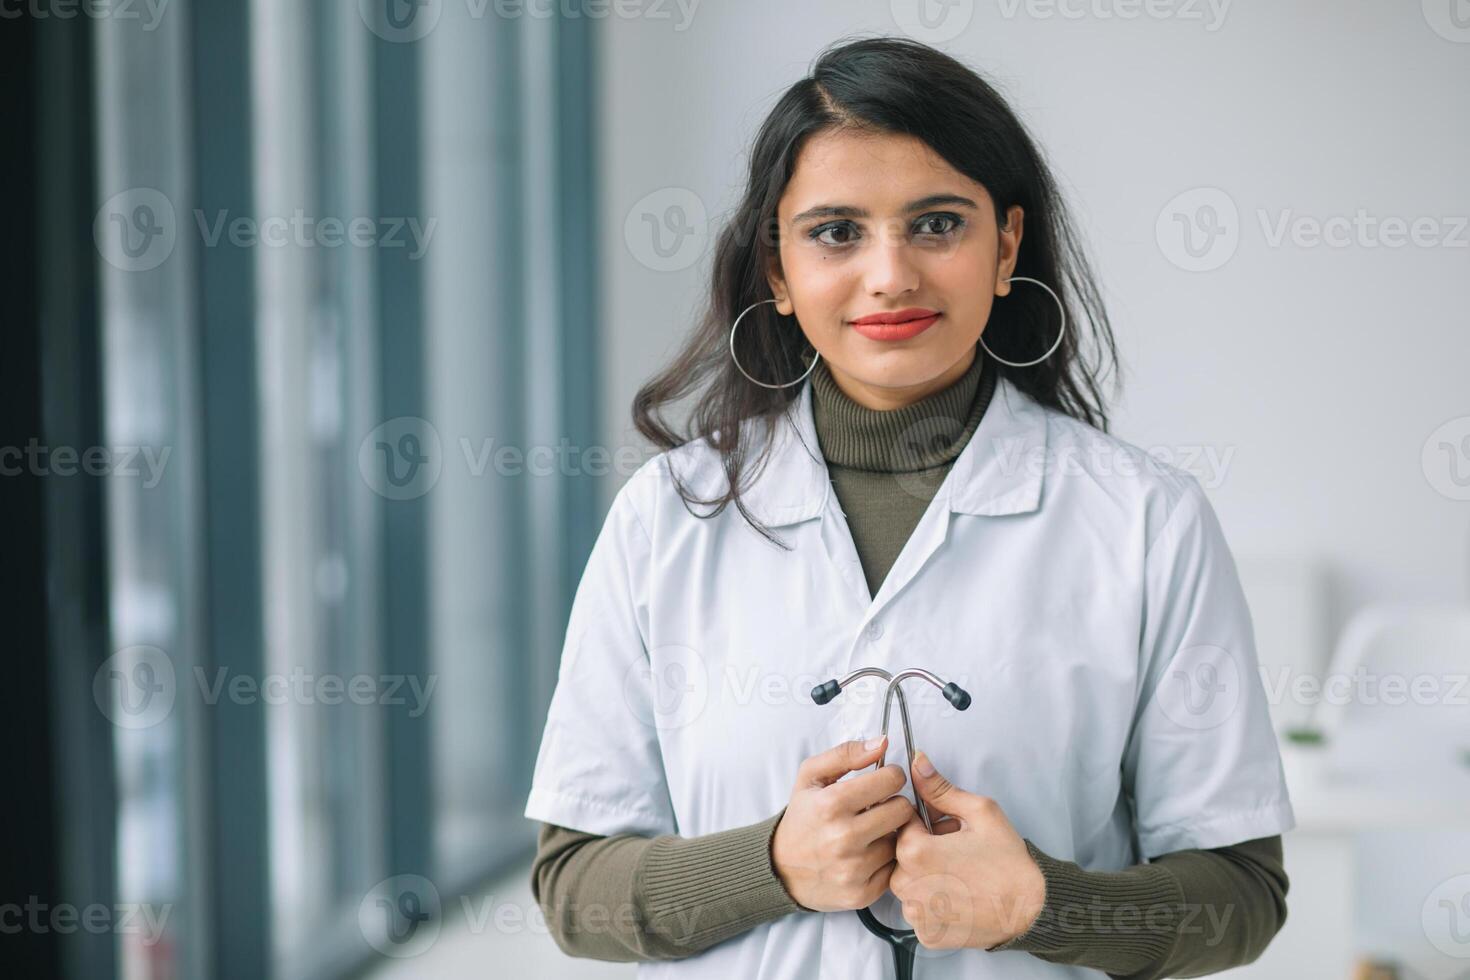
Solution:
(930, 432)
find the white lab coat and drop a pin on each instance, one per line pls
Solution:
(1079, 589)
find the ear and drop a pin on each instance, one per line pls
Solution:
(777, 282)
(1010, 248)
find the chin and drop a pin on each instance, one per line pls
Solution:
(898, 368)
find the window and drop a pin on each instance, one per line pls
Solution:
(314, 241)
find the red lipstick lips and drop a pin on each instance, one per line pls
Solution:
(898, 325)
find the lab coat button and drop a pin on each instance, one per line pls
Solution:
(874, 630)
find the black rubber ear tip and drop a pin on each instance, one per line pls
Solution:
(826, 691)
(957, 695)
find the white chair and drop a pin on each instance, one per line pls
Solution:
(1397, 694)
(1395, 713)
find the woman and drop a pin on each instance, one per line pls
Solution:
(893, 395)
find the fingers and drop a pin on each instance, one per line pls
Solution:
(883, 819)
(860, 792)
(877, 854)
(845, 757)
(913, 823)
(942, 796)
(945, 825)
(939, 817)
(942, 824)
(879, 879)
(932, 784)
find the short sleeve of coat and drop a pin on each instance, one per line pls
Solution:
(1202, 763)
(599, 768)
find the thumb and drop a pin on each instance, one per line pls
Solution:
(938, 791)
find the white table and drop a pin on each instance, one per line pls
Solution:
(1333, 808)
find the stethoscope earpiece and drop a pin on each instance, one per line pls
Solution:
(957, 696)
(826, 691)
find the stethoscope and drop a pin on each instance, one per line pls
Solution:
(904, 942)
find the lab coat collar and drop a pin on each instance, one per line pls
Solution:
(998, 472)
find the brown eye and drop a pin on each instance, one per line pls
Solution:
(938, 224)
(841, 228)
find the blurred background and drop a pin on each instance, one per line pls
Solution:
(323, 319)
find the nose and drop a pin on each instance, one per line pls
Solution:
(890, 268)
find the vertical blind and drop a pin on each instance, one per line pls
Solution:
(343, 261)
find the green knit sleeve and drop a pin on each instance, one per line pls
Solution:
(1187, 913)
(629, 898)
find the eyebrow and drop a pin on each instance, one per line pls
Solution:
(848, 211)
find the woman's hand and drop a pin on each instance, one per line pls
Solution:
(970, 883)
(830, 850)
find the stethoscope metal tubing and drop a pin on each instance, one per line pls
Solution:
(904, 942)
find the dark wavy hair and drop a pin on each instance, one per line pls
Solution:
(879, 85)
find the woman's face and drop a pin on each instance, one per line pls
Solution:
(875, 224)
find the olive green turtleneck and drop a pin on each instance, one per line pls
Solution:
(688, 894)
(886, 466)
